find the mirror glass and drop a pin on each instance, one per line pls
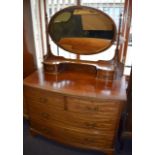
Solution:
(82, 30)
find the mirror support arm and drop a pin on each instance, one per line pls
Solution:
(118, 40)
(49, 53)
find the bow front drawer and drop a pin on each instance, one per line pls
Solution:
(83, 122)
(73, 137)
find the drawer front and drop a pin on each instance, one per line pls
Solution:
(93, 123)
(73, 137)
(89, 106)
(85, 122)
(43, 99)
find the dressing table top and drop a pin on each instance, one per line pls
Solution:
(78, 84)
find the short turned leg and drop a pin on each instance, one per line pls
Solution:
(33, 133)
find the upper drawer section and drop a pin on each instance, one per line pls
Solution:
(83, 105)
(43, 98)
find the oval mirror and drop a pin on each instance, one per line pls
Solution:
(82, 30)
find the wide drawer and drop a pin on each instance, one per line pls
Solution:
(72, 137)
(95, 123)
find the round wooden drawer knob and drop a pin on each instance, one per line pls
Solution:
(45, 115)
(90, 125)
(43, 100)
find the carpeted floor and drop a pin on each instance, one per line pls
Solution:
(41, 146)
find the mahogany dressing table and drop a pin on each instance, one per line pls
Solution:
(72, 101)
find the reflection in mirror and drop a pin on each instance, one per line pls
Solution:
(63, 17)
(82, 30)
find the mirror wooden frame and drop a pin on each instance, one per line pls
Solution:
(50, 25)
